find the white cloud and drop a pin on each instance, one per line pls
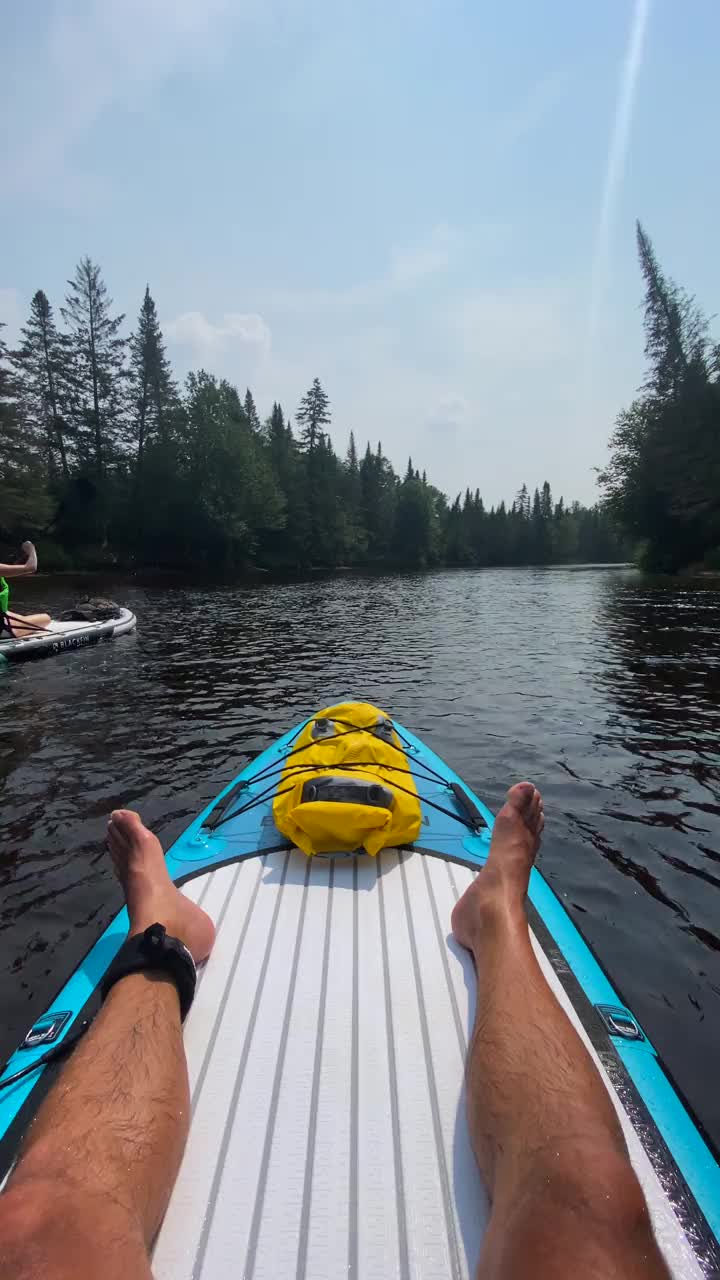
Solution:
(408, 267)
(95, 55)
(449, 415)
(236, 332)
(417, 261)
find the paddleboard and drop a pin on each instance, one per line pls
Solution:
(327, 1044)
(63, 637)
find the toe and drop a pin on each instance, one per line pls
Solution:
(117, 836)
(536, 811)
(127, 821)
(520, 796)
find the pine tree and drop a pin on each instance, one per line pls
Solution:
(675, 331)
(378, 503)
(276, 434)
(352, 458)
(370, 498)
(251, 412)
(40, 365)
(283, 456)
(327, 526)
(352, 486)
(521, 505)
(415, 521)
(457, 548)
(11, 428)
(291, 544)
(154, 394)
(25, 502)
(354, 534)
(388, 502)
(209, 482)
(663, 479)
(313, 415)
(542, 521)
(319, 479)
(540, 535)
(232, 494)
(96, 352)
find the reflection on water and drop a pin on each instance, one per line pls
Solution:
(665, 684)
(601, 686)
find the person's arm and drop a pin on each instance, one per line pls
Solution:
(28, 566)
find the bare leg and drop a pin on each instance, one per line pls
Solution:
(565, 1199)
(94, 1177)
(24, 624)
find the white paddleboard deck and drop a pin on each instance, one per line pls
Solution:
(326, 1051)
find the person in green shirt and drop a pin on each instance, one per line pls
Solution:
(17, 624)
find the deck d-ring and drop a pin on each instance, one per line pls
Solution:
(620, 1022)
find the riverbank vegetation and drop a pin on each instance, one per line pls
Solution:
(107, 460)
(663, 480)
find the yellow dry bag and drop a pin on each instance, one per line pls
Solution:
(347, 784)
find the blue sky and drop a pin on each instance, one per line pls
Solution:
(404, 199)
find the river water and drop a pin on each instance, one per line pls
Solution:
(599, 685)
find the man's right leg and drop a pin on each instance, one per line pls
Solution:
(565, 1199)
(95, 1173)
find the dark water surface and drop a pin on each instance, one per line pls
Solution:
(602, 687)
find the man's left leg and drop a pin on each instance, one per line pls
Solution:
(26, 624)
(94, 1177)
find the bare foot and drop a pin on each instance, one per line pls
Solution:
(150, 893)
(503, 882)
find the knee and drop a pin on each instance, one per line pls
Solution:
(617, 1196)
(581, 1214)
(602, 1189)
(26, 1215)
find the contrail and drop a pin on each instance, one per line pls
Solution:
(617, 154)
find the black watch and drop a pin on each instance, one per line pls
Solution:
(155, 951)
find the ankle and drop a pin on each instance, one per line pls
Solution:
(503, 897)
(497, 911)
(154, 914)
(150, 902)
